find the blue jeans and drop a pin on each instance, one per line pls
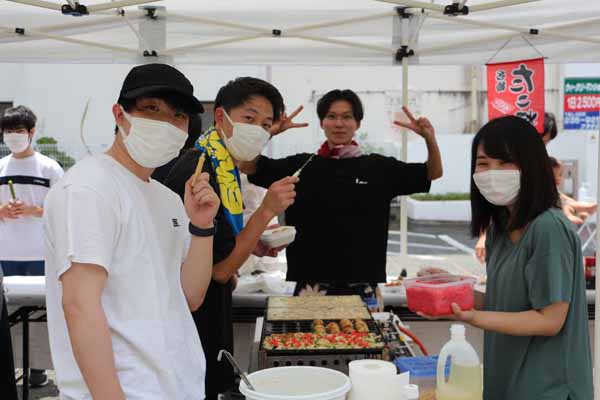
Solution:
(27, 268)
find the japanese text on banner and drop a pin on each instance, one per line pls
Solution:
(517, 88)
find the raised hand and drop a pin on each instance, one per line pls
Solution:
(421, 126)
(280, 195)
(286, 122)
(201, 202)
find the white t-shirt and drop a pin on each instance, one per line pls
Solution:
(21, 239)
(101, 213)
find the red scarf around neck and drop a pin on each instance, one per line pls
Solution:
(349, 150)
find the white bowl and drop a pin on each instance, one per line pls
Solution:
(278, 237)
(297, 383)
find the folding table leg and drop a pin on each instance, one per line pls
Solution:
(25, 380)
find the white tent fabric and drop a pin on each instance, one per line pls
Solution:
(195, 32)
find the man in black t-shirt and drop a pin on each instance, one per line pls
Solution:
(342, 207)
(245, 110)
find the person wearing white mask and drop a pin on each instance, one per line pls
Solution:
(126, 259)
(575, 211)
(245, 110)
(32, 174)
(534, 312)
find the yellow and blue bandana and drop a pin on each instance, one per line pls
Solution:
(228, 177)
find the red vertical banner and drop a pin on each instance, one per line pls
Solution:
(517, 88)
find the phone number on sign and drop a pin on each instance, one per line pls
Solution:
(589, 102)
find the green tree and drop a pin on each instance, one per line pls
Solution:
(48, 146)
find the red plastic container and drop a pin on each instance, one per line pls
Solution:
(433, 294)
(590, 267)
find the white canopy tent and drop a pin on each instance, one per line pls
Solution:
(308, 32)
(347, 32)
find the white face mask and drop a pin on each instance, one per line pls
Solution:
(246, 141)
(16, 142)
(152, 143)
(499, 187)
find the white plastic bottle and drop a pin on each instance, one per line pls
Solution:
(410, 392)
(465, 380)
(583, 193)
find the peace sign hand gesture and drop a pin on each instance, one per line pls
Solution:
(286, 122)
(420, 126)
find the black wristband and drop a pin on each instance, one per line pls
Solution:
(194, 230)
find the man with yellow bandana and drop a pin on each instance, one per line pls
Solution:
(246, 109)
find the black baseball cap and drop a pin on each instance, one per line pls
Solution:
(155, 78)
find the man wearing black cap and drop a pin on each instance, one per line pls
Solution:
(122, 270)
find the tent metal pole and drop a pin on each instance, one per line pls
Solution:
(440, 8)
(341, 22)
(499, 4)
(549, 31)
(597, 303)
(574, 24)
(183, 49)
(386, 50)
(417, 5)
(381, 49)
(449, 47)
(117, 4)
(474, 22)
(142, 40)
(403, 201)
(566, 36)
(209, 21)
(41, 4)
(269, 78)
(88, 23)
(485, 24)
(87, 43)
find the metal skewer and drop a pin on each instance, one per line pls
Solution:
(297, 173)
(236, 367)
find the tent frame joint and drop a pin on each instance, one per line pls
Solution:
(20, 31)
(534, 31)
(150, 12)
(402, 13)
(403, 52)
(79, 10)
(151, 53)
(455, 9)
(276, 32)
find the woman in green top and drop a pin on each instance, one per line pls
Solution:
(534, 312)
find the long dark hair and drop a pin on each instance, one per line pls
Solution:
(514, 140)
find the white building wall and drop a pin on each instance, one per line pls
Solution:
(58, 94)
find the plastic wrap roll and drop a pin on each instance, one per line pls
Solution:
(375, 379)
